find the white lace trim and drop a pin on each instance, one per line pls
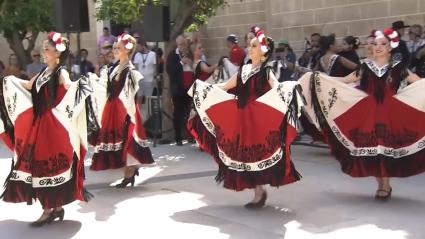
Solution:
(142, 142)
(331, 64)
(255, 166)
(380, 71)
(248, 72)
(108, 147)
(41, 80)
(40, 182)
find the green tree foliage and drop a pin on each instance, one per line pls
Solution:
(20, 23)
(190, 13)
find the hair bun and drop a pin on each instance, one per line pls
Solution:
(357, 41)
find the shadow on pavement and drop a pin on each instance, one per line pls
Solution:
(238, 222)
(57, 230)
(328, 213)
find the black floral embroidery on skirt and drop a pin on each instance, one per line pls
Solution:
(252, 153)
(382, 133)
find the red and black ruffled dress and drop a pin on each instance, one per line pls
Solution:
(121, 140)
(248, 134)
(376, 130)
(47, 128)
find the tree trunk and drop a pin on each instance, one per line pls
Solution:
(16, 44)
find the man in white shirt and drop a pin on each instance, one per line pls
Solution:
(145, 61)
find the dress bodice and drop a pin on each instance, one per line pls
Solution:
(381, 81)
(250, 84)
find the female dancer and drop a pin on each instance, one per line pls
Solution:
(121, 140)
(45, 121)
(375, 130)
(331, 63)
(249, 136)
(368, 53)
(202, 70)
(349, 46)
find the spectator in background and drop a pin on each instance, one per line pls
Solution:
(248, 37)
(369, 45)
(145, 62)
(85, 65)
(36, 66)
(401, 53)
(330, 62)
(13, 68)
(415, 38)
(104, 63)
(160, 68)
(418, 62)
(286, 56)
(177, 67)
(110, 58)
(101, 62)
(349, 46)
(236, 53)
(136, 35)
(160, 54)
(202, 70)
(75, 68)
(105, 39)
(107, 47)
(127, 30)
(311, 56)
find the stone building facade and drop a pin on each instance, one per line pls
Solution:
(295, 20)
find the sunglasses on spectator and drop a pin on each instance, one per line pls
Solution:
(36, 55)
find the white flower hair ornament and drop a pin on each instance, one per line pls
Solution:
(124, 38)
(57, 39)
(391, 34)
(255, 29)
(259, 34)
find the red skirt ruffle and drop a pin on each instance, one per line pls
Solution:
(376, 166)
(43, 149)
(117, 128)
(282, 173)
(368, 124)
(310, 129)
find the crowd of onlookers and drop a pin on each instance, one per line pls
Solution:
(320, 49)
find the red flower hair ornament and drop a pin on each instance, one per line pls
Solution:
(259, 34)
(56, 37)
(124, 38)
(391, 34)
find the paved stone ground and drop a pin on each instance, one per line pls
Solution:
(178, 198)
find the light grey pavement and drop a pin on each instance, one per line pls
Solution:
(178, 198)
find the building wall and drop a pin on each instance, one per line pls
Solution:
(236, 18)
(282, 19)
(296, 19)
